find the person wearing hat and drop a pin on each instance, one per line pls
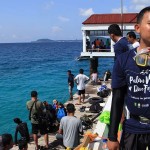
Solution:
(22, 128)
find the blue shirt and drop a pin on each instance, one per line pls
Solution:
(137, 79)
(120, 47)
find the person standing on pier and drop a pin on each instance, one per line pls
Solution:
(70, 83)
(121, 43)
(130, 84)
(36, 109)
(80, 80)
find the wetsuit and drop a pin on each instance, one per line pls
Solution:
(22, 128)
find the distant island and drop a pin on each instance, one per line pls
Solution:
(49, 40)
(42, 41)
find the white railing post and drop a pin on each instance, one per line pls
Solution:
(84, 40)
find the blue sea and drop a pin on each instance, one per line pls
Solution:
(37, 66)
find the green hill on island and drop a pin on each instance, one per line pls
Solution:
(48, 40)
(43, 41)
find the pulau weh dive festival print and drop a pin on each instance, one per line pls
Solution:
(139, 82)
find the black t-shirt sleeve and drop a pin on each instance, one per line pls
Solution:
(116, 111)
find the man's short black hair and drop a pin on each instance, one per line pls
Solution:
(17, 120)
(69, 71)
(81, 71)
(34, 94)
(6, 139)
(141, 14)
(114, 29)
(70, 108)
(131, 34)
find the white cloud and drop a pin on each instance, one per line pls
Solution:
(140, 1)
(86, 12)
(118, 10)
(48, 5)
(64, 19)
(137, 5)
(3, 35)
(14, 36)
(56, 29)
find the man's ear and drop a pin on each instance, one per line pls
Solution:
(137, 28)
(111, 36)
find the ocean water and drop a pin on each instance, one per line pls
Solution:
(37, 66)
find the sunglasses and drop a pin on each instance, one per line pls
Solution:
(142, 58)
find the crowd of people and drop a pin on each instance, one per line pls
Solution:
(45, 117)
(97, 44)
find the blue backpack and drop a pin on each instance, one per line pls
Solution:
(60, 113)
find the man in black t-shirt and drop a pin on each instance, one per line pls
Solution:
(70, 83)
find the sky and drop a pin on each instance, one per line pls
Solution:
(30, 20)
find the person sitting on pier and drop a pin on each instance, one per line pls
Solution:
(61, 111)
(22, 128)
(80, 80)
(6, 141)
(50, 115)
(70, 128)
(55, 104)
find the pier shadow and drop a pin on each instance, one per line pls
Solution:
(57, 145)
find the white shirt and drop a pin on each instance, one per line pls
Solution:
(94, 77)
(136, 44)
(81, 79)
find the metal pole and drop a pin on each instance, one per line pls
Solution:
(122, 16)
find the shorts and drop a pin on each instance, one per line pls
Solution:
(131, 141)
(70, 89)
(37, 127)
(81, 92)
